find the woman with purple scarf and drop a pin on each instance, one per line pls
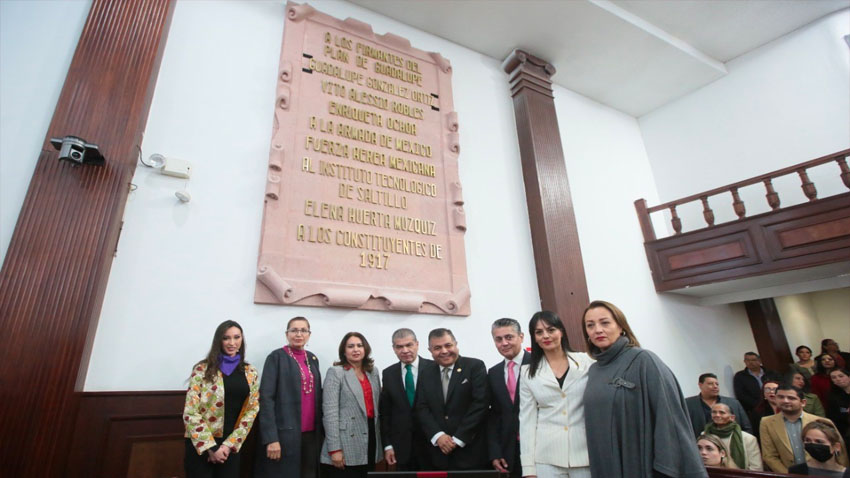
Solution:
(291, 415)
(221, 404)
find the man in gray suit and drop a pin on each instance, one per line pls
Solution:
(699, 406)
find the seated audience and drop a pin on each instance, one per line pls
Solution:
(781, 434)
(823, 446)
(806, 364)
(813, 403)
(749, 382)
(713, 452)
(766, 407)
(839, 400)
(743, 447)
(820, 381)
(829, 346)
(699, 406)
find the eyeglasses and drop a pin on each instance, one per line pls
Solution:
(299, 331)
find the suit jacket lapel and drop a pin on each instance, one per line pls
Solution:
(526, 359)
(356, 389)
(779, 428)
(394, 384)
(375, 383)
(547, 376)
(502, 391)
(572, 376)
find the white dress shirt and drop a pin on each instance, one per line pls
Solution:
(518, 361)
(413, 369)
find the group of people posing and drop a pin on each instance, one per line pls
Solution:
(525, 416)
(796, 423)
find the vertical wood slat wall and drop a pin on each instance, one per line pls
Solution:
(56, 268)
(554, 234)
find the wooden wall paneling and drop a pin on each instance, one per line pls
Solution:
(554, 234)
(116, 433)
(114, 429)
(54, 275)
(769, 335)
(797, 237)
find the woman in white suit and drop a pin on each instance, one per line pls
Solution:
(551, 409)
(350, 405)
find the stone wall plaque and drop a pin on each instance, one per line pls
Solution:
(363, 206)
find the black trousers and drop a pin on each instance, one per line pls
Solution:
(309, 455)
(360, 471)
(197, 466)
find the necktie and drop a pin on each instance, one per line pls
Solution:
(512, 381)
(408, 383)
(445, 382)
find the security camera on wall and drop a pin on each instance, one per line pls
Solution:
(76, 150)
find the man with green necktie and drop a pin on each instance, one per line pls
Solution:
(406, 446)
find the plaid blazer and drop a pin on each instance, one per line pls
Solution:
(345, 422)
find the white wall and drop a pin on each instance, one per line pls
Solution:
(782, 104)
(800, 321)
(608, 169)
(31, 79)
(182, 268)
(809, 318)
(833, 311)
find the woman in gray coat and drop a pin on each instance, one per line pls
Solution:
(290, 409)
(351, 390)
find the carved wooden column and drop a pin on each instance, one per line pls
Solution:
(554, 235)
(54, 276)
(770, 336)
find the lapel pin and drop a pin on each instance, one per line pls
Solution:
(459, 369)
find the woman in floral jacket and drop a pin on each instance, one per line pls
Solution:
(221, 404)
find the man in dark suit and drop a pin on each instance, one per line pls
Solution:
(699, 406)
(503, 419)
(748, 382)
(452, 406)
(406, 445)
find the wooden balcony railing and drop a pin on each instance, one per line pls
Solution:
(793, 237)
(740, 208)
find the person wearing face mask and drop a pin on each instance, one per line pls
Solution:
(781, 434)
(638, 421)
(823, 445)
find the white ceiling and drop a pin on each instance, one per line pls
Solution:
(633, 55)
